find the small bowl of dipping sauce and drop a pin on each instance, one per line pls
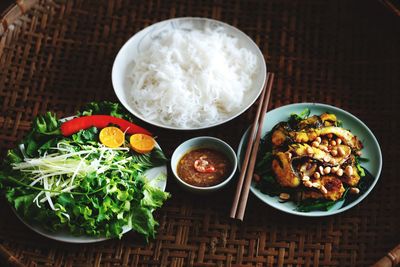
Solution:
(203, 164)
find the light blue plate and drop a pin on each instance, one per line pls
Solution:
(370, 151)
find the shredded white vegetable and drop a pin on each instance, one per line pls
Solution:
(56, 173)
(191, 78)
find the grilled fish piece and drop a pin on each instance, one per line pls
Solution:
(302, 150)
(310, 135)
(355, 177)
(285, 174)
(334, 189)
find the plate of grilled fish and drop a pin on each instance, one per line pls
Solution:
(314, 160)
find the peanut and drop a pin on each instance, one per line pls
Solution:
(341, 151)
(323, 189)
(321, 170)
(327, 170)
(284, 196)
(354, 190)
(335, 169)
(348, 171)
(307, 184)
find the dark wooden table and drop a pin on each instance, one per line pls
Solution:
(57, 55)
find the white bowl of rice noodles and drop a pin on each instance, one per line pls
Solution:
(188, 73)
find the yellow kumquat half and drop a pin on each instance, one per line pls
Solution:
(112, 137)
(142, 143)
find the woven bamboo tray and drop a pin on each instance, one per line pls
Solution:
(57, 55)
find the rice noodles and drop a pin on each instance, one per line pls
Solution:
(191, 78)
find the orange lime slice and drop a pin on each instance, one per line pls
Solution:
(142, 143)
(112, 137)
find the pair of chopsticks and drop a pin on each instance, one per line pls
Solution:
(246, 173)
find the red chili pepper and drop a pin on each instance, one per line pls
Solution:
(99, 121)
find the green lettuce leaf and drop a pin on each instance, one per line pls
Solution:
(153, 197)
(105, 108)
(143, 221)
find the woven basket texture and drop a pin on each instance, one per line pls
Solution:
(58, 55)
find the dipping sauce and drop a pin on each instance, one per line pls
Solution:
(203, 167)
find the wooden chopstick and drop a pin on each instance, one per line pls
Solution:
(392, 258)
(247, 155)
(245, 193)
(246, 174)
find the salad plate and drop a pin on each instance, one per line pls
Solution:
(86, 178)
(371, 151)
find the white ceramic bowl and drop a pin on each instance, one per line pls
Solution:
(137, 43)
(203, 142)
